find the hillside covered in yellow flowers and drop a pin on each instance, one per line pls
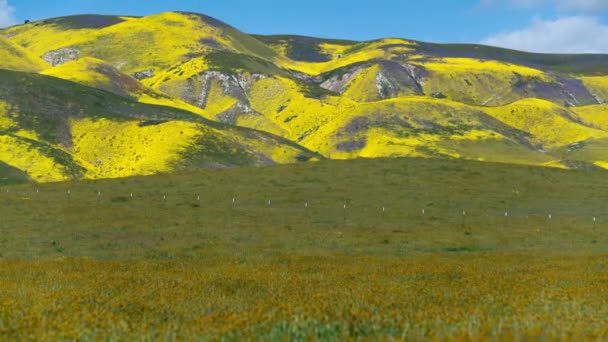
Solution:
(109, 96)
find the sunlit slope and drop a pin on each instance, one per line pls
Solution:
(415, 126)
(337, 127)
(367, 82)
(594, 151)
(228, 91)
(42, 36)
(552, 126)
(222, 97)
(339, 54)
(283, 106)
(598, 86)
(342, 99)
(522, 133)
(593, 116)
(320, 51)
(56, 130)
(575, 64)
(409, 126)
(126, 148)
(441, 71)
(491, 83)
(294, 109)
(14, 57)
(132, 45)
(169, 50)
(471, 81)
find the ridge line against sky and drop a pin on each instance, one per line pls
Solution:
(553, 26)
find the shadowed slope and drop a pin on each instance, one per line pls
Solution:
(10, 175)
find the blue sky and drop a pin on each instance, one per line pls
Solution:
(534, 25)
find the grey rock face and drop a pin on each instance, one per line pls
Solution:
(352, 145)
(196, 90)
(392, 80)
(597, 98)
(61, 56)
(438, 95)
(232, 115)
(141, 75)
(338, 82)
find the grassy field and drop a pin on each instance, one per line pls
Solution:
(332, 250)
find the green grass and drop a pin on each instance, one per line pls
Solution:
(86, 267)
(116, 226)
(10, 176)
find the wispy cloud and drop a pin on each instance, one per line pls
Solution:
(7, 14)
(574, 34)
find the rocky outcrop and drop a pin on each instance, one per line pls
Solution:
(142, 75)
(386, 89)
(232, 115)
(196, 89)
(396, 79)
(564, 91)
(392, 80)
(438, 95)
(338, 82)
(61, 56)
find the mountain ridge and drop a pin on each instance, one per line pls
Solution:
(315, 97)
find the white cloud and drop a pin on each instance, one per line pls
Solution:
(7, 13)
(582, 5)
(563, 5)
(575, 34)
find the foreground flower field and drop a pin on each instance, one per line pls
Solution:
(85, 261)
(327, 297)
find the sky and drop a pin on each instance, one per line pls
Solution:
(552, 26)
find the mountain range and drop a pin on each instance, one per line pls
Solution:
(91, 96)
